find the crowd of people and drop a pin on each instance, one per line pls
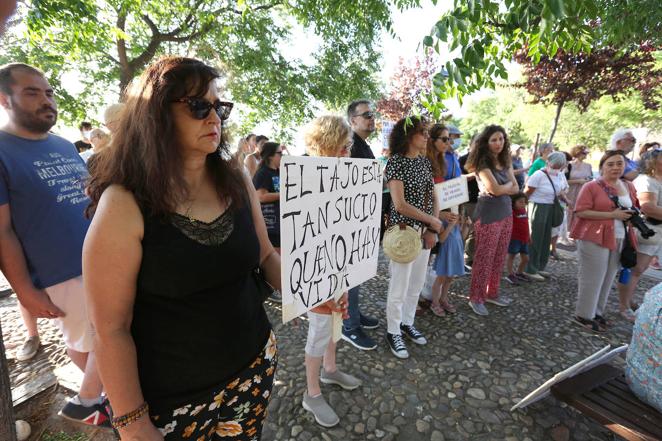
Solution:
(145, 211)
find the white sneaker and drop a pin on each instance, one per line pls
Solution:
(536, 277)
(28, 349)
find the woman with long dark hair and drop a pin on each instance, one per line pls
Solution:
(174, 266)
(267, 184)
(413, 202)
(493, 221)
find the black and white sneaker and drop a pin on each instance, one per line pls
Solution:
(96, 415)
(413, 334)
(397, 345)
(276, 296)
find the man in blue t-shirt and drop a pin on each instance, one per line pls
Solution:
(42, 225)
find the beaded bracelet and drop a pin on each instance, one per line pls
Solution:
(131, 417)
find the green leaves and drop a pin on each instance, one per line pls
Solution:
(489, 32)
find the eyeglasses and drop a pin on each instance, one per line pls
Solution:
(443, 138)
(279, 152)
(201, 108)
(367, 115)
(632, 139)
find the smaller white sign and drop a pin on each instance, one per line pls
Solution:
(452, 193)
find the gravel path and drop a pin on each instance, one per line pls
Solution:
(460, 386)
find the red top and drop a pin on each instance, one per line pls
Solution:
(520, 225)
(593, 197)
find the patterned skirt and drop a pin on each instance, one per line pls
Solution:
(235, 411)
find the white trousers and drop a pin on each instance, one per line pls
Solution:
(404, 287)
(597, 269)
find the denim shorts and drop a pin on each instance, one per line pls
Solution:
(518, 247)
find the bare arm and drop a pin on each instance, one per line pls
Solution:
(601, 215)
(649, 205)
(265, 197)
(251, 164)
(15, 268)
(397, 190)
(269, 258)
(111, 260)
(496, 189)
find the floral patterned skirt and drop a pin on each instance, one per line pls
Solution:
(234, 412)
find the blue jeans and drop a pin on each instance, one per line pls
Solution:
(354, 320)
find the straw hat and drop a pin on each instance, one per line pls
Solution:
(402, 243)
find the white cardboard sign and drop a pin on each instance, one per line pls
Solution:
(452, 193)
(330, 214)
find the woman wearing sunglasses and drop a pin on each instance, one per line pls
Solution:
(170, 266)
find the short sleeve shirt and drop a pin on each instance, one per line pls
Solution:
(630, 165)
(544, 193)
(648, 184)
(537, 165)
(43, 182)
(269, 179)
(416, 176)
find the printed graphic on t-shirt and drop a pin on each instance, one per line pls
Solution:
(276, 183)
(64, 173)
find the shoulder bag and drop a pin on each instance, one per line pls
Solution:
(557, 209)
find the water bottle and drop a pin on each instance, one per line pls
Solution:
(624, 276)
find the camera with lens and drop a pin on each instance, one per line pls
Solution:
(636, 219)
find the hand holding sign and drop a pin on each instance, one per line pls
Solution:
(330, 218)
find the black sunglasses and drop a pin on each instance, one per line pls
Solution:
(367, 115)
(443, 138)
(201, 108)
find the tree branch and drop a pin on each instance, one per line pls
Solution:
(121, 43)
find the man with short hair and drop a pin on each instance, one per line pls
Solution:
(84, 143)
(361, 118)
(624, 140)
(42, 225)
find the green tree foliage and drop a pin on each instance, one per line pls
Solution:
(583, 78)
(109, 42)
(511, 107)
(484, 34)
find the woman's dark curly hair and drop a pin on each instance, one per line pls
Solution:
(436, 158)
(403, 131)
(480, 157)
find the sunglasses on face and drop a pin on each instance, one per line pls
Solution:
(201, 108)
(367, 115)
(280, 153)
(443, 138)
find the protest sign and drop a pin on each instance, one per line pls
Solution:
(330, 217)
(452, 193)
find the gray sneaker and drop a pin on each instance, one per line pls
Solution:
(478, 308)
(499, 301)
(324, 415)
(29, 349)
(346, 381)
(545, 274)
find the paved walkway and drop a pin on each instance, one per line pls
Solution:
(458, 387)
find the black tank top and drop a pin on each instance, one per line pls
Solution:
(198, 317)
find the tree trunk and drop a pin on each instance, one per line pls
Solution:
(7, 425)
(559, 107)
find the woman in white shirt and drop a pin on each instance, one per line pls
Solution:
(649, 192)
(541, 188)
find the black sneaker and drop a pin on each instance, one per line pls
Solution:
(413, 334)
(397, 345)
(276, 296)
(358, 339)
(96, 415)
(368, 322)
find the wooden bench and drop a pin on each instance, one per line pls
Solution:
(602, 394)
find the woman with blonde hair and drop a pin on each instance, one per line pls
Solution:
(325, 136)
(99, 139)
(649, 192)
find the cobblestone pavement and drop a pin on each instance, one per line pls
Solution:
(460, 386)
